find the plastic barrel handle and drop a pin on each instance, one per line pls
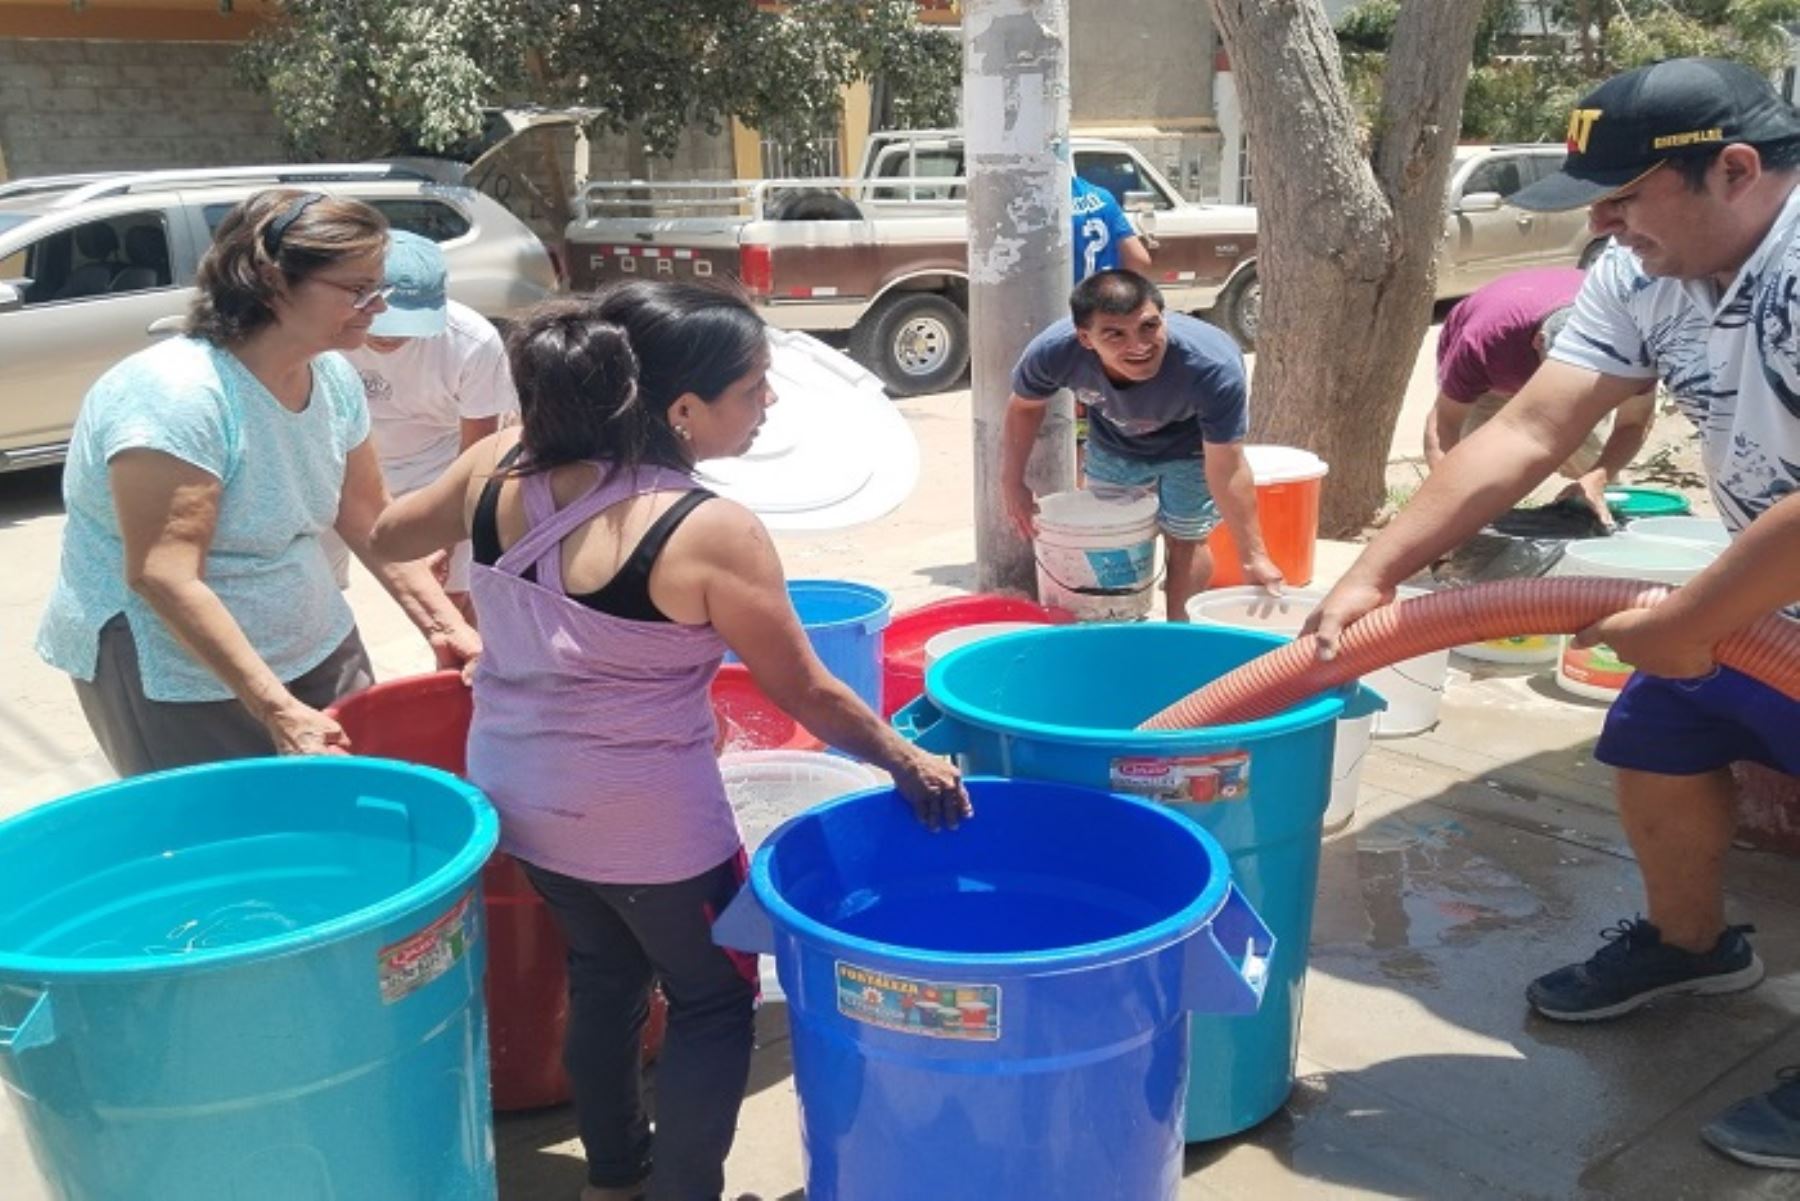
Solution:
(36, 1029)
(923, 724)
(1228, 961)
(745, 925)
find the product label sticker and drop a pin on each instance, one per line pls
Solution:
(407, 966)
(1598, 664)
(1196, 779)
(966, 1012)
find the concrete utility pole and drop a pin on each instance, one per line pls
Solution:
(1016, 138)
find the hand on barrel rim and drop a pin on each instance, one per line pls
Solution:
(934, 789)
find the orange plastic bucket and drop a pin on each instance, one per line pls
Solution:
(425, 719)
(1288, 483)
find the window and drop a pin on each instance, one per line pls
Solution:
(1246, 189)
(128, 253)
(937, 163)
(428, 218)
(1496, 175)
(1118, 174)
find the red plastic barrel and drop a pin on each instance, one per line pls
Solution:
(750, 721)
(425, 719)
(903, 654)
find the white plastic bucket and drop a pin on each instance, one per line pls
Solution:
(1096, 558)
(941, 644)
(1595, 671)
(1413, 689)
(766, 788)
(1708, 531)
(1347, 753)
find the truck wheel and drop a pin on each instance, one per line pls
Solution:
(1239, 311)
(817, 205)
(915, 341)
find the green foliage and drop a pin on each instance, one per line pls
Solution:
(1521, 90)
(356, 78)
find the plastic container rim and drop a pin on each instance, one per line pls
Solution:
(1320, 708)
(881, 608)
(458, 872)
(993, 964)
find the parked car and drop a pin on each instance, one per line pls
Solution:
(1484, 236)
(93, 268)
(883, 256)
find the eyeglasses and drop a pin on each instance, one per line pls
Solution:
(360, 298)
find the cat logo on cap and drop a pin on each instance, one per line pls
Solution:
(1581, 124)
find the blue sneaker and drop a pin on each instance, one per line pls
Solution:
(1635, 967)
(1764, 1130)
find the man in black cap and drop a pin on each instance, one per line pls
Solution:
(1691, 166)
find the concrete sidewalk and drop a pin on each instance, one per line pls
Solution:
(1482, 854)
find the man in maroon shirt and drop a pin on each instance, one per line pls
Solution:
(1491, 344)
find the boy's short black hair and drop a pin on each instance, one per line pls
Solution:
(1118, 293)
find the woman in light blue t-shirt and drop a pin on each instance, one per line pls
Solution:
(194, 607)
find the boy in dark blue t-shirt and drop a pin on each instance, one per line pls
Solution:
(1167, 411)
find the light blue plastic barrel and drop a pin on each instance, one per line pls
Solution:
(996, 1012)
(251, 981)
(845, 623)
(1062, 703)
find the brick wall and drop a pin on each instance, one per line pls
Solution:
(71, 105)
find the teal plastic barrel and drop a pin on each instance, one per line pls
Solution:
(251, 980)
(1061, 704)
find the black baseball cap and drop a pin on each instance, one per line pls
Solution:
(1640, 119)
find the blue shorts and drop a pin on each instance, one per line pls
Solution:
(1685, 727)
(1184, 504)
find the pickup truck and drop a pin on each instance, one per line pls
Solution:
(883, 256)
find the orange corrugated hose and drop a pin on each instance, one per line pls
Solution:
(1768, 650)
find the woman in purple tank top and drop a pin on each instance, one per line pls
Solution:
(609, 586)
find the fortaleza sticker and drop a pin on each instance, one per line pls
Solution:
(1199, 779)
(967, 1012)
(415, 961)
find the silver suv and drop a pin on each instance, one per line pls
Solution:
(95, 267)
(1485, 237)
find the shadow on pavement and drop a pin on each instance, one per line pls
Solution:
(1422, 1071)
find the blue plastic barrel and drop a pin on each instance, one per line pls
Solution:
(1062, 703)
(845, 621)
(996, 1012)
(258, 979)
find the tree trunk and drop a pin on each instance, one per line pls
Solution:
(1347, 239)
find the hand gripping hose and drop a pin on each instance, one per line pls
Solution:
(1768, 649)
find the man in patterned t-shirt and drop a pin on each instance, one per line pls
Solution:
(1691, 166)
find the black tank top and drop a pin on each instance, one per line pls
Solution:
(627, 594)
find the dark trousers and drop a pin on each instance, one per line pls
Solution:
(621, 937)
(140, 735)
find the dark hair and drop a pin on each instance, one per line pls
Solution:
(1117, 293)
(1776, 156)
(298, 233)
(596, 374)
